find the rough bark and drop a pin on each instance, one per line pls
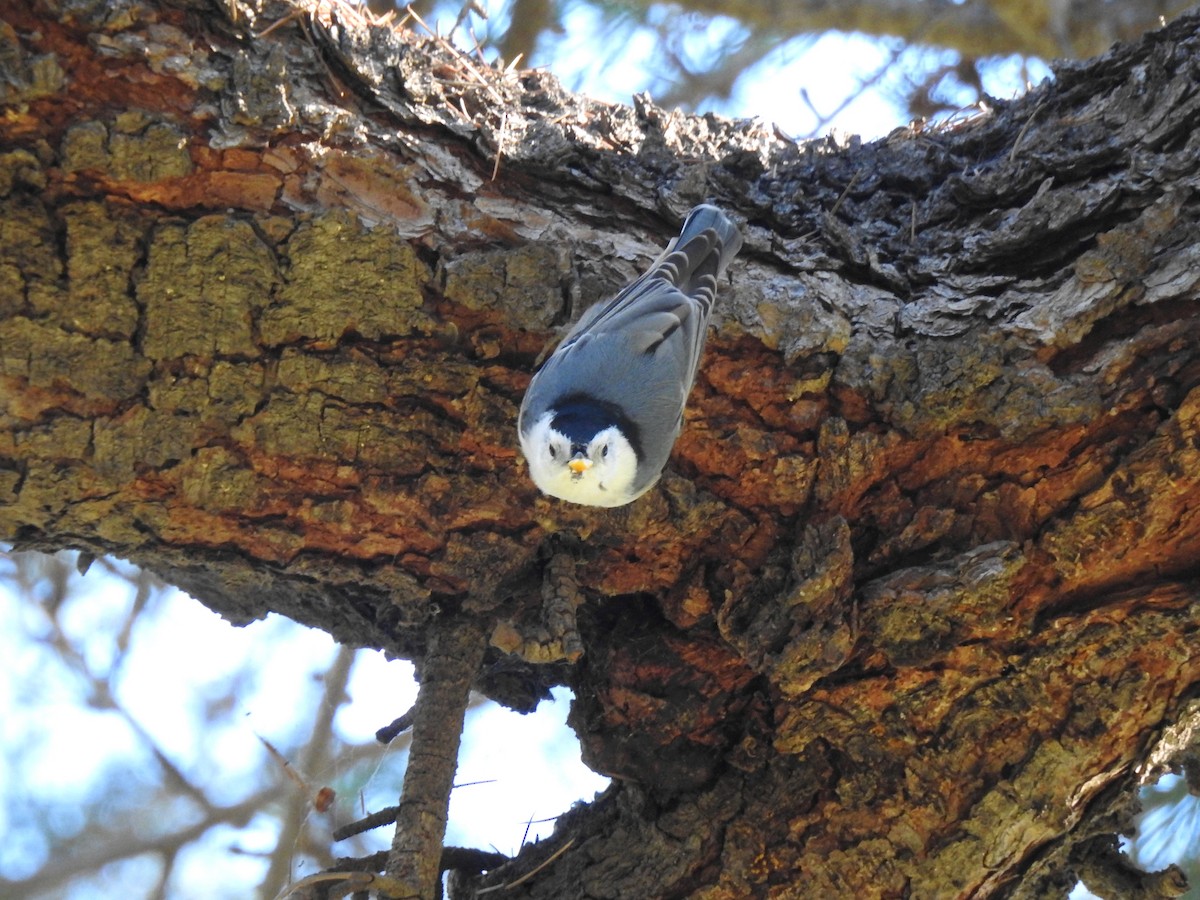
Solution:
(917, 594)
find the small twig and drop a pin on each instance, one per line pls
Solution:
(549, 859)
(525, 833)
(279, 23)
(412, 13)
(455, 110)
(1012, 154)
(500, 145)
(512, 884)
(401, 724)
(466, 60)
(352, 881)
(478, 49)
(386, 816)
(863, 84)
(471, 6)
(321, 798)
(316, 757)
(288, 770)
(838, 204)
(334, 81)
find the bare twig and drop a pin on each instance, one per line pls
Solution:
(453, 659)
(471, 6)
(1012, 154)
(385, 816)
(400, 724)
(279, 23)
(317, 756)
(512, 884)
(463, 58)
(863, 84)
(838, 203)
(500, 136)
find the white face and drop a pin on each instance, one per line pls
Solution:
(602, 477)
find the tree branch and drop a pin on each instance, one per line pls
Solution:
(923, 563)
(449, 668)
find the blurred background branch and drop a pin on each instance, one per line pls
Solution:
(704, 53)
(140, 733)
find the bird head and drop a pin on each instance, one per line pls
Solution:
(596, 471)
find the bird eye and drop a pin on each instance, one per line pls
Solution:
(604, 451)
(553, 452)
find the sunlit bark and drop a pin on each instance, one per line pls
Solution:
(917, 591)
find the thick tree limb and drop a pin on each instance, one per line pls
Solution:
(918, 590)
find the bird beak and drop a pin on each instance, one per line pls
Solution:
(579, 465)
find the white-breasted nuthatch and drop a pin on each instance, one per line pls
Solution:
(603, 412)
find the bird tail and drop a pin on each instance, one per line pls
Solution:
(704, 217)
(695, 260)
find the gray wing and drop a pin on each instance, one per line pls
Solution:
(667, 309)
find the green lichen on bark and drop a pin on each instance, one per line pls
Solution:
(20, 168)
(141, 440)
(25, 77)
(529, 282)
(218, 480)
(49, 357)
(204, 287)
(400, 443)
(1124, 524)
(984, 382)
(103, 249)
(143, 149)
(805, 633)
(85, 147)
(258, 89)
(374, 277)
(30, 267)
(217, 394)
(132, 147)
(917, 615)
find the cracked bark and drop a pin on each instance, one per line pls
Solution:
(916, 597)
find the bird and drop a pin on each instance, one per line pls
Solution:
(601, 415)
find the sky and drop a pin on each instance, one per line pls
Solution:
(852, 78)
(517, 772)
